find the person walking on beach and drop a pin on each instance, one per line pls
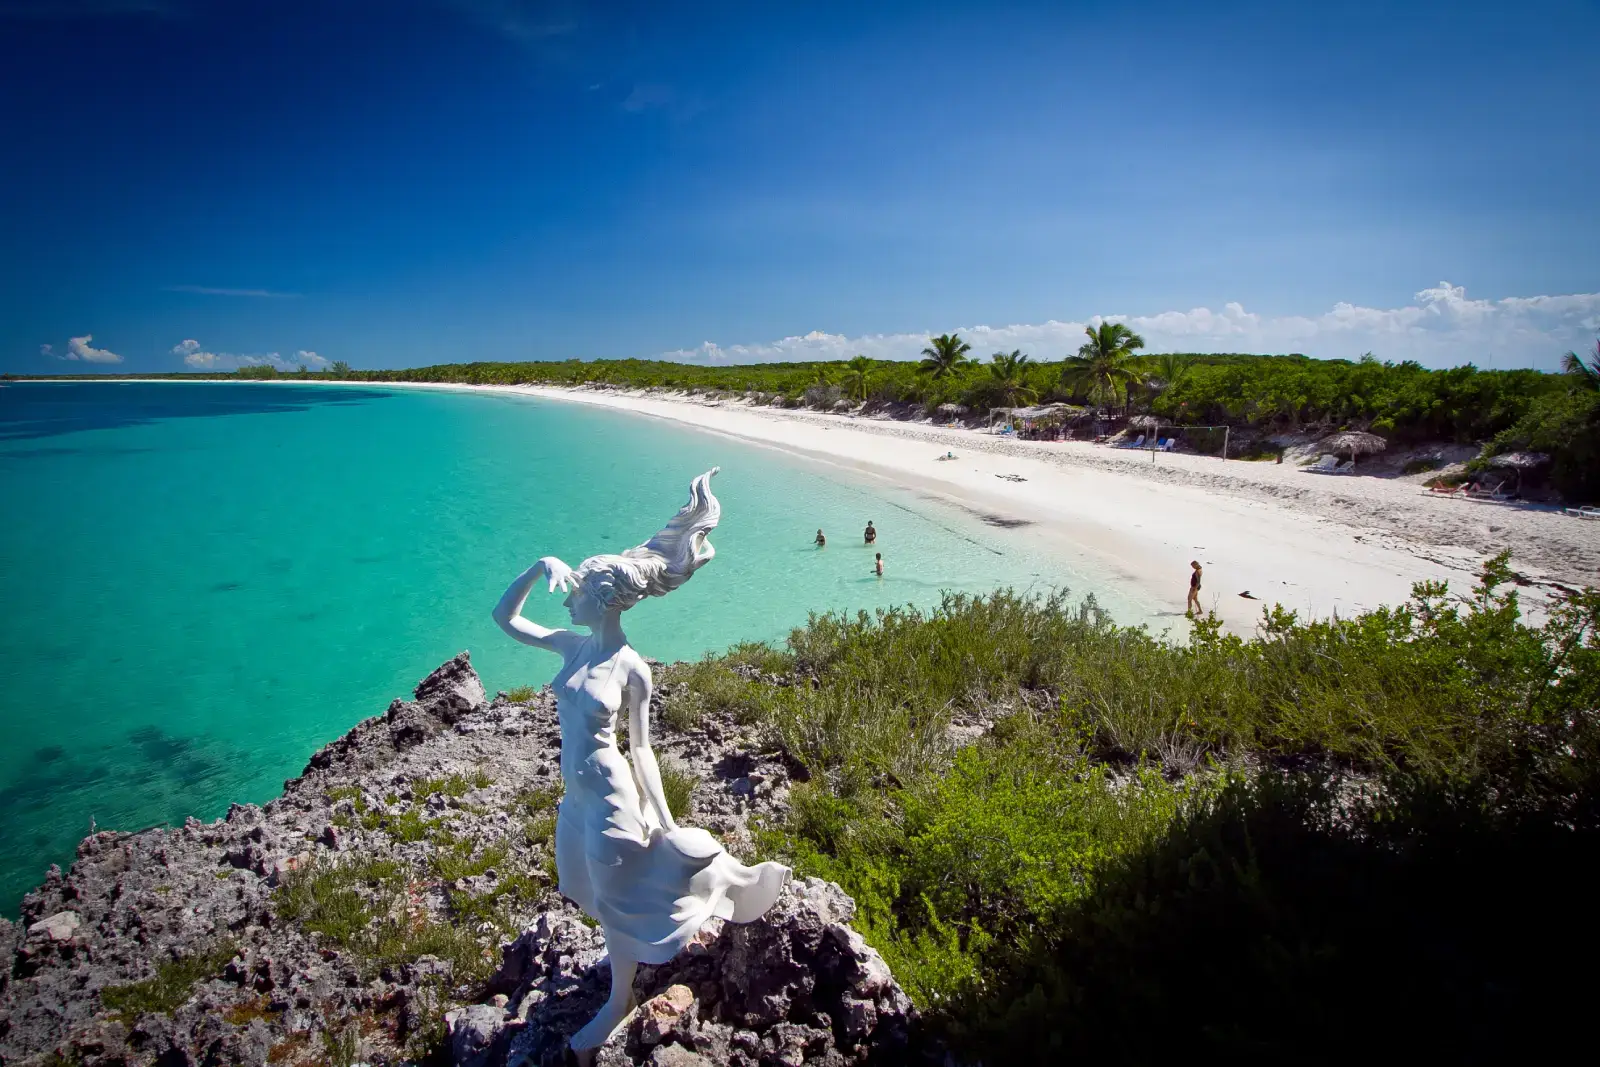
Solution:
(871, 534)
(1193, 604)
(878, 565)
(821, 540)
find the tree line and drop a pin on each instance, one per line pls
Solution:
(1558, 414)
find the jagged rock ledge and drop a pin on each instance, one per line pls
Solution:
(397, 903)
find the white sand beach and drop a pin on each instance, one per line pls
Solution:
(1316, 544)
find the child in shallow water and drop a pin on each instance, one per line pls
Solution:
(878, 564)
(821, 540)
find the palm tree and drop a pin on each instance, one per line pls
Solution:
(824, 376)
(1171, 369)
(1009, 371)
(1104, 362)
(855, 381)
(944, 356)
(1585, 372)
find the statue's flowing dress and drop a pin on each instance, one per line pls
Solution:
(652, 889)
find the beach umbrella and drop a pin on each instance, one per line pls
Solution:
(1354, 442)
(1144, 422)
(952, 409)
(1519, 461)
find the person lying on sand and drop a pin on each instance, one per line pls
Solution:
(871, 535)
(821, 539)
(1193, 603)
(947, 455)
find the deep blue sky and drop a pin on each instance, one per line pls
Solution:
(441, 180)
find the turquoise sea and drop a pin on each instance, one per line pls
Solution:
(203, 583)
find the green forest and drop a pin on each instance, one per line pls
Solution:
(1507, 410)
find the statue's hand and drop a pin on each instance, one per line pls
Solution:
(559, 573)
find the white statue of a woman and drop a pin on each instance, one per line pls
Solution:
(620, 856)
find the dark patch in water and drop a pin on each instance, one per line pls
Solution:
(1004, 523)
(35, 791)
(192, 770)
(157, 747)
(307, 616)
(48, 754)
(226, 587)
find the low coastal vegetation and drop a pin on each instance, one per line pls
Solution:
(1069, 836)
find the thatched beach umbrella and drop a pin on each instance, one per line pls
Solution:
(1355, 442)
(1144, 422)
(1519, 462)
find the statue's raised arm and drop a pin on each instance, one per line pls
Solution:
(508, 613)
(620, 855)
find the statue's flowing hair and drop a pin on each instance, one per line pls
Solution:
(662, 563)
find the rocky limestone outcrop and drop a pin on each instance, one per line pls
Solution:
(799, 986)
(398, 901)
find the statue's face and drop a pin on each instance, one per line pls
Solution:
(584, 609)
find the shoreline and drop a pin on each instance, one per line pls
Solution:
(1316, 545)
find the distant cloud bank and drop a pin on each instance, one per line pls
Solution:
(78, 348)
(1444, 327)
(196, 357)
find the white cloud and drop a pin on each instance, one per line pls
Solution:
(194, 355)
(1443, 327)
(78, 348)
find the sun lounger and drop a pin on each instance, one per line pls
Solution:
(1347, 467)
(1585, 512)
(1495, 494)
(1138, 442)
(1324, 465)
(1443, 490)
(1169, 445)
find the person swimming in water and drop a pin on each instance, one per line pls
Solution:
(821, 540)
(871, 534)
(878, 565)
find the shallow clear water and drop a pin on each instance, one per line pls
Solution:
(202, 584)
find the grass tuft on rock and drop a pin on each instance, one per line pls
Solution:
(172, 985)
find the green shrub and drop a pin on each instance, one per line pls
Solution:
(337, 899)
(463, 858)
(978, 870)
(521, 694)
(452, 785)
(172, 985)
(678, 785)
(711, 686)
